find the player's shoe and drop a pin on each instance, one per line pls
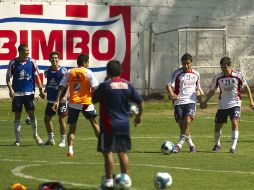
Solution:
(107, 185)
(16, 143)
(50, 142)
(69, 154)
(193, 149)
(177, 149)
(232, 150)
(62, 143)
(216, 148)
(38, 140)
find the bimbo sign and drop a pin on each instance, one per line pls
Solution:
(103, 32)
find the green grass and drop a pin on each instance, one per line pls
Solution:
(31, 164)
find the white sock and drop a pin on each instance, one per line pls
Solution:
(34, 127)
(189, 141)
(17, 128)
(181, 140)
(63, 137)
(217, 135)
(70, 149)
(234, 138)
(50, 136)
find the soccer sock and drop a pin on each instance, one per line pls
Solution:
(50, 136)
(189, 141)
(217, 135)
(63, 137)
(234, 138)
(70, 149)
(17, 128)
(181, 140)
(34, 127)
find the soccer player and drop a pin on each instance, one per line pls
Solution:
(230, 82)
(184, 90)
(81, 82)
(114, 95)
(54, 75)
(23, 70)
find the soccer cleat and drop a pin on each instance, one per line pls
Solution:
(107, 185)
(69, 154)
(176, 149)
(38, 140)
(62, 144)
(16, 143)
(193, 149)
(232, 150)
(50, 142)
(216, 148)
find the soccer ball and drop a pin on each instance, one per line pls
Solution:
(28, 120)
(122, 181)
(162, 180)
(134, 109)
(18, 186)
(167, 147)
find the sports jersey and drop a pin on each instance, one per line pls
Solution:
(80, 81)
(23, 73)
(185, 85)
(230, 87)
(53, 80)
(114, 96)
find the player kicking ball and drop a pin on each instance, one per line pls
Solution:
(230, 82)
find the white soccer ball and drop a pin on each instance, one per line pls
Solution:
(28, 120)
(122, 181)
(134, 109)
(162, 180)
(167, 147)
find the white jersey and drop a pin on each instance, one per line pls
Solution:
(230, 87)
(185, 85)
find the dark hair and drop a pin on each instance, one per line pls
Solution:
(54, 53)
(82, 58)
(225, 60)
(22, 47)
(186, 56)
(114, 68)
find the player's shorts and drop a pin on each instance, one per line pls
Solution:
(114, 143)
(222, 114)
(19, 101)
(62, 109)
(73, 114)
(185, 110)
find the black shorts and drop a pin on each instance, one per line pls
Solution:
(222, 114)
(185, 110)
(73, 115)
(62, 109)
(27, 100)
(114, 143)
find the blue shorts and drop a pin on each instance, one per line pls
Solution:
(62, 109)
(222, 114)
(184, 110)
(114, 143)
(73, 115)
(27, 100)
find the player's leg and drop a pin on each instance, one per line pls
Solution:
(17, 109)
(190, 114)
(95, 126)
(29, 106)
(124, 162)
(62, 114)
(235, 119)
(49, 113)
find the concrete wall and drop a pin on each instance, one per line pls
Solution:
(236, 15)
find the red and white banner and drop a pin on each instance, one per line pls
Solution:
(101, 31)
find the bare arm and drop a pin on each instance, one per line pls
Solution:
(199, 96)
(208, 96)
(41, 94)
(138, 117)
(172, 95)
(8, 82)
(59, 93)
(250, 97)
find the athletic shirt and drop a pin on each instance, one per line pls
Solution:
(23, 73)
(185, 85)
(53, 80)
(80, 81)
(114, 96)
(230, 87)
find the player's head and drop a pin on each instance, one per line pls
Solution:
(54, 57)
(83, 60)
(186, 61)
(225, 64)
(23, 51)
(114, 68)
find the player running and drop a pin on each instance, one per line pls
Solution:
(230, 82)
(184, 90)
(54, 75)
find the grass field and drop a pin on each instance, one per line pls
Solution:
(31, 164)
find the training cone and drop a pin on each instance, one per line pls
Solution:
(18, 186)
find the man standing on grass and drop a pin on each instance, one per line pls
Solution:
(184, 90)
(24, 71)
(114, 95)
(54, 75)
(81, 83)
(230, 82)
